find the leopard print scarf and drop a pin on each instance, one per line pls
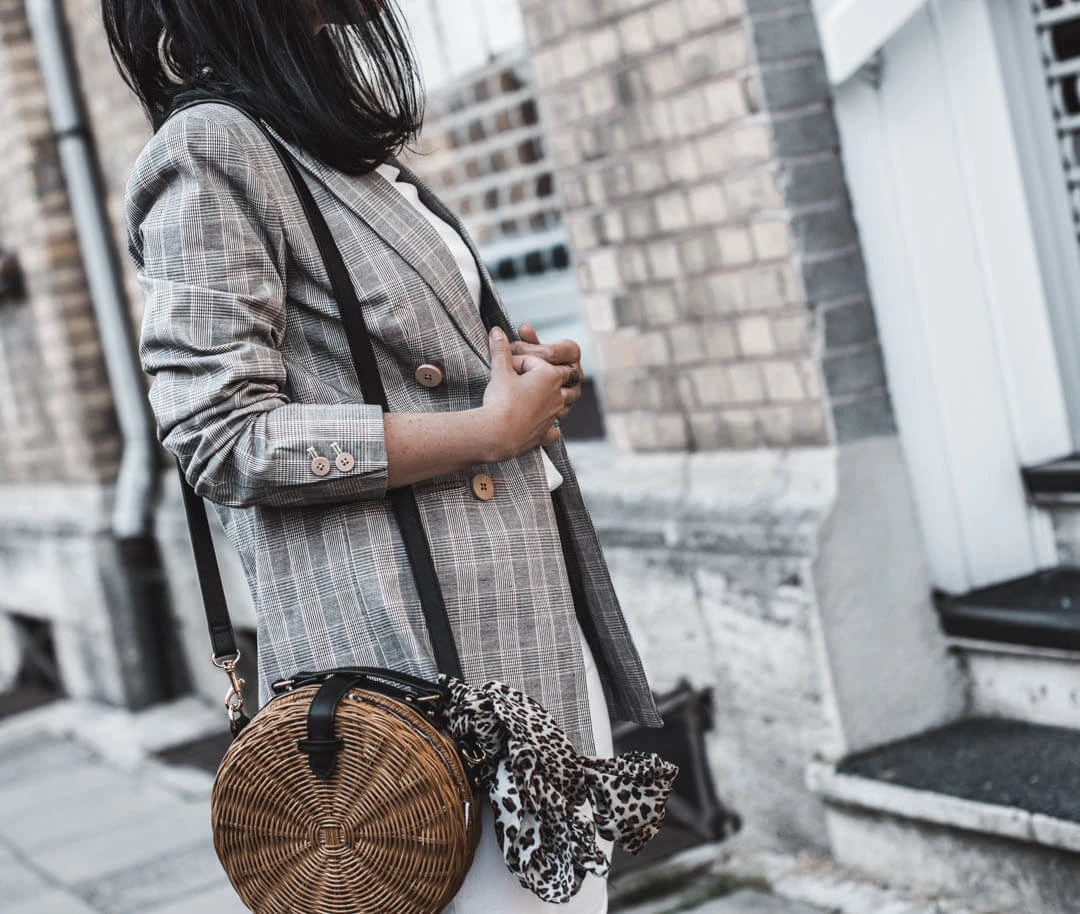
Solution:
(550, 803)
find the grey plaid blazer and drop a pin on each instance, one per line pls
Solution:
(253, 380)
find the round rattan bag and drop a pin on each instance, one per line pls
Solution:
(391, 831)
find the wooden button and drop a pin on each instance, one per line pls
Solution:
(320, 466)
(483, 487)
(345, 462)
(429, 375)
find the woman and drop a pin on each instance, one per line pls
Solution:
(255, 392)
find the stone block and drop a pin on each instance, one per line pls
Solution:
(574, 57)
(849, 325)
(631, 85)
(720, 341)
(699, 252)
(809, 425)
(658, 306)
(776, 425)
(782, 382)
(616, 351)
(719, 295)
(712, 386)
(667, 22)
(603, 265)
(707, 203)
(725, 100)
(771, 239)
(647, 174)
(664, 260)
(787, 87)
(805, 134)
(736, 248)
(792, 332)
(599, 95)
(749, 194)
(689, 112)
(751, 145)
(652, 349)
(639, 217)
(662, 73)
(821, 231)
(755, 336)
(865, 417)
(785, 37)
(770, 288)
(746, 383)
(853, 371)
(672, 211)
(682, 163)
(635, 34)
(814, 181)
(604, 46)
(705, 13)
(831, 278)
(633, 265)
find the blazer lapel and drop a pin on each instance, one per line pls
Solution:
(398, 223)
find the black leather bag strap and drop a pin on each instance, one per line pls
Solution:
(403, 500)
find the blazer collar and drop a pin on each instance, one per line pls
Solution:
(398, 223)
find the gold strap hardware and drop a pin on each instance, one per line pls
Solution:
(234, 698)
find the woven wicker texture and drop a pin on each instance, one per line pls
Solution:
(385, 834)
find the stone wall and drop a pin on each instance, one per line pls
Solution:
(698, 158)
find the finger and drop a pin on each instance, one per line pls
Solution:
(519, 364)
(564, 352)
(571, 395)
(499, 346)
(535, 363)
(528, 334)
(519, 347)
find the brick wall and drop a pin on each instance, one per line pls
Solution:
(719, 263)
(57, 422)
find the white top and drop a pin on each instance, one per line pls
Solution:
(466, 263)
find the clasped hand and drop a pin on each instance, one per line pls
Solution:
(532, 386)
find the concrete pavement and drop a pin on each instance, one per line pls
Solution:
(91, 823)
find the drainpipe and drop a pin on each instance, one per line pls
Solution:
(143, 636)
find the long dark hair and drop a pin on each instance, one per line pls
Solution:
(349, 95)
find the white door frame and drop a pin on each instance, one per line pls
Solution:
(938, 189)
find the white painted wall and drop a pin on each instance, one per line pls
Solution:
(939, 196)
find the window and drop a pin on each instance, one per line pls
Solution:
(1057, 23)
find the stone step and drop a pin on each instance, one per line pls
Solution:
(986, 808)
(1020, 682)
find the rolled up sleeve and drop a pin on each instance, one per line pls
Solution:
(206, 234)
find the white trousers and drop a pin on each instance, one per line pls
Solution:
(489, 888)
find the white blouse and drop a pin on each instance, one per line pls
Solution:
(466, 263)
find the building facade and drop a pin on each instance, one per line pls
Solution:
(825, 254)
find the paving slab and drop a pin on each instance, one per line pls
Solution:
(749, 902)
(173, 831)
(55, 901)
(118, 809)
(166, 880)
(19, 883)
